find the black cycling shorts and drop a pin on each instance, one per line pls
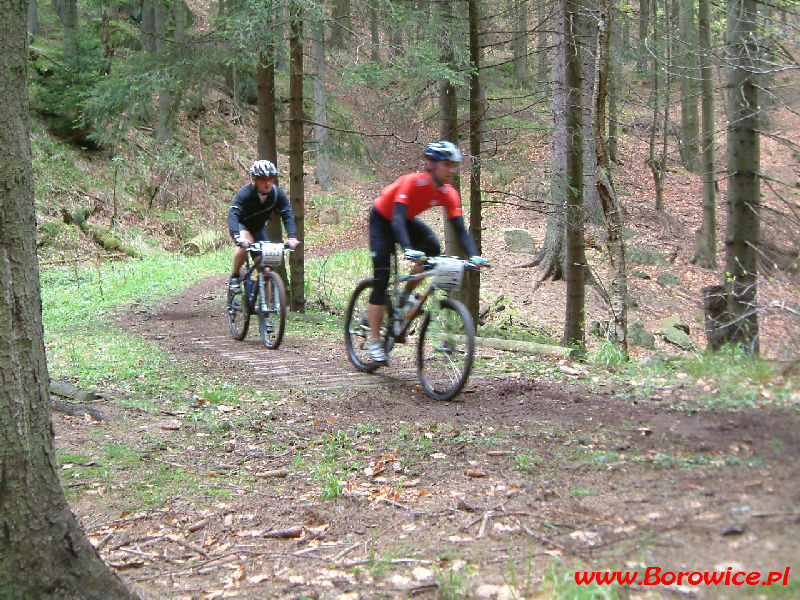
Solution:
(381, 245)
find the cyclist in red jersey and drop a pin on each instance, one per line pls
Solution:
(393, 220)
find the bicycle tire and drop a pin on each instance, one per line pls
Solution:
(446, 350)
(356, 328)
(271, 325)
(237, 309)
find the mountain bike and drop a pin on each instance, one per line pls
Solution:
(262, 293)
(446, 345)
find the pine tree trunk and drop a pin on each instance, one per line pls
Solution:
(744, 158)
(296, 183)
(164, 127)
(43, 552)
(542, 84)
(519, 41)
(618, 328)
(448, 121)
(374, 32)
(574, 325)
(705, 253)
(587, 21)
(551, 257)
(323, 170)
(688, 72)
(342, 23)
(148, 26)
(33, 18)
(641, 55)
(266, 141)
(473, 285)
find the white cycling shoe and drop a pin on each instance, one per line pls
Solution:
(376, 352)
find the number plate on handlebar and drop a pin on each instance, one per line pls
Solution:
(271, 252)
(447, 272)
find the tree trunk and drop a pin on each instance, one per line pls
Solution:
(44, 552)
(296, 183)
(519, 41)
(657, 163)
(33, 19)
(448, 119)
(574, 325)
(705, 251)
(613, 117)
(551, 257)
(323, 170)
(473, 285)
(148, 26)
(688, 72)
(543, 80)
(163, 130)
(618, 328)
(744, 158)
(641, 55)
(342, 23)
(374, 32)
(587, 22)
(266, 141)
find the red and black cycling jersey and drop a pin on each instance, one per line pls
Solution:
(250, 211)
(418, 192)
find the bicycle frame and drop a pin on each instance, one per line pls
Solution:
(429, 292)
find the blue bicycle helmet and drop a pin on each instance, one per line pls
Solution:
(263, 168)
(443, 151)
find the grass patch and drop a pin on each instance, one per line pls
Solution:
(330, 280)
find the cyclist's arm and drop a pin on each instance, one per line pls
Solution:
(464, 236)
(235, 224)
(399, 227)
(284, 207)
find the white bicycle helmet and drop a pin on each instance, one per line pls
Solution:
(263, 168)
(443, 151)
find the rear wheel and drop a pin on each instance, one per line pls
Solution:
(446, 349)
(356, 328)
(238, 311)
(272, 321)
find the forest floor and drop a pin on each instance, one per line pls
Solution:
(481, 497)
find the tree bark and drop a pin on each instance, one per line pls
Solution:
(43, 552)
(163, 130)
(266, 141)
(688, 65)
(543, 81)
(519, 41)
(574, 325)
(618, 328)
(296, 184)
(550, 259)
(148, 26)
(448, 119)
(33, 18)
(705, 251)
(342, 23)
(587, 23)
(374, 32)
(476, 110)
(644, 14)
(323, 170)
(744, 191)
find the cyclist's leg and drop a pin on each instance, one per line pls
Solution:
(381, 243)
(424, 239)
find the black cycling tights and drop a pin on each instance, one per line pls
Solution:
(381, 244)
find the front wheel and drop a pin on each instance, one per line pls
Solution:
(446, 349)
(272, 314)
(238, 311)
(356, 328)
